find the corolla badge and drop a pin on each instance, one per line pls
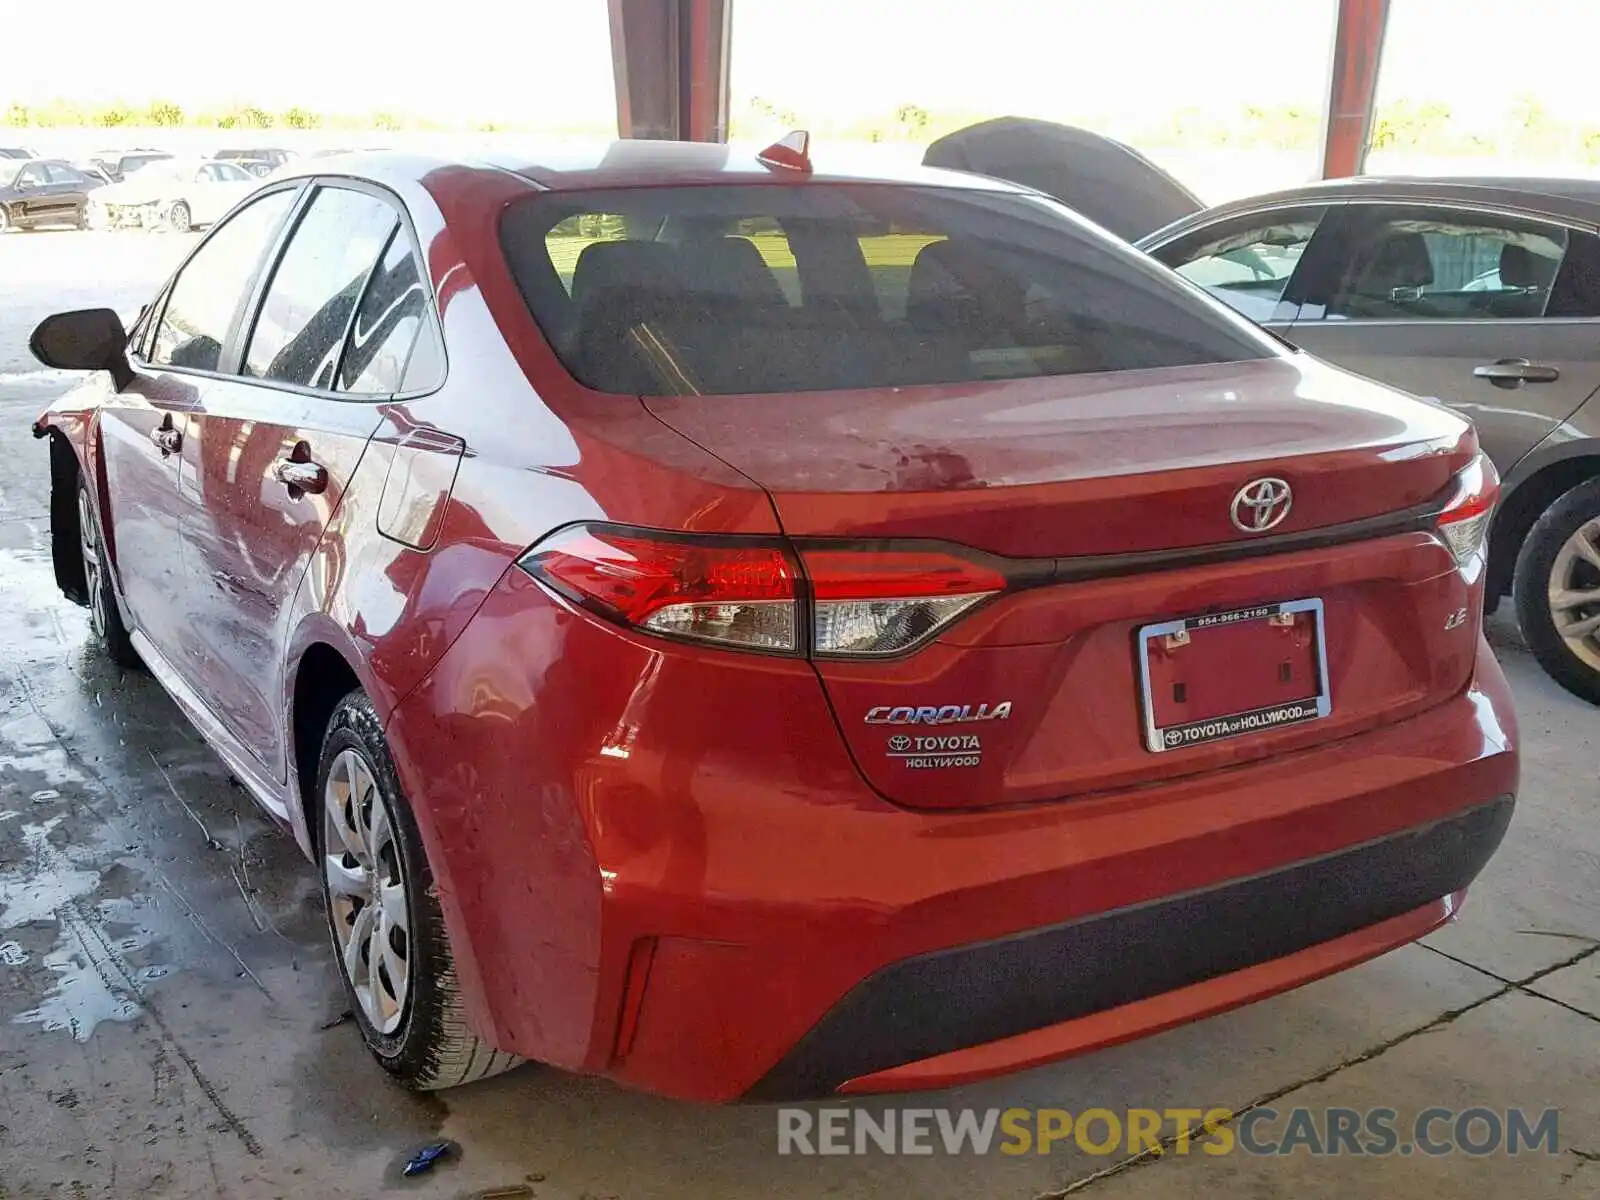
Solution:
(1261, 504)
(940, 714)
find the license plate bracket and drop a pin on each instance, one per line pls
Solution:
(1215, 676)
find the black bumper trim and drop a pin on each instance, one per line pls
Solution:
(968, 995)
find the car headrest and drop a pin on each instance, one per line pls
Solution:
(728, 267)
(1522, 268)
(948, 275)
(641, 266)
(1400, 261)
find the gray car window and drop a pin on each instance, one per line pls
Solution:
(1427, 263)
(1246, 262)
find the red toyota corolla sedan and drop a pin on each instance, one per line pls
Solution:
(751, 630)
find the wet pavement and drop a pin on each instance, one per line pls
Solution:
(170, 1023)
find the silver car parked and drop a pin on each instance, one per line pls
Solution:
(1481, 293)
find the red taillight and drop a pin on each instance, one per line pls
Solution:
(875, 574)
(1464, 522)
(742, 592)
(870, 603)
(736, 593)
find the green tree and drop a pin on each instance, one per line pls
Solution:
(164, 114)
(115, 115)
(299, 118)
(385, 120)
(912, 119)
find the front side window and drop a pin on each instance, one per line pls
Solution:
(1423, 263)
(318, 281)
(1246, 262)
(32, 176)
(212, 286)
(761, 289)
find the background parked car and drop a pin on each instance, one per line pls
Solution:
(259, 161)
(119, 164)
(43, 191)
(16, 152)
(179, 194)
(1481, 293)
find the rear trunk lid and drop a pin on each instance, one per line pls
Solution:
(1110, 502)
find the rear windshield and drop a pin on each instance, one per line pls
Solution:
(765, 288)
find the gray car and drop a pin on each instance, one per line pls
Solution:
(1481, 293)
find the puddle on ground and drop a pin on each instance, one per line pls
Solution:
(88, 973)
(44, 882)
(95, 981)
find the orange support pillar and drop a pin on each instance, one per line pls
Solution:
(670, 63)
(1352, 86)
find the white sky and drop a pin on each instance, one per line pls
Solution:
(533, 59)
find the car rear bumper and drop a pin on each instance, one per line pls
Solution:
(935, 1004)
(682, 882)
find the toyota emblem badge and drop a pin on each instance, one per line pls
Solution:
(1261, 504)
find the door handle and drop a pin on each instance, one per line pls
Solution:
(1514, 372)
(167, 439)
(301, 477)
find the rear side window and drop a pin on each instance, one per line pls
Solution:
(391, 311)
(762, 289)
(211, 288)
(1435, 264)
(318, 282)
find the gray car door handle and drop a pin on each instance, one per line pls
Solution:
(1514, 372)
(300, 476)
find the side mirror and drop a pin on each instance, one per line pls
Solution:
(90, 339)
(25, 185)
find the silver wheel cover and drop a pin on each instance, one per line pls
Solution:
(366, 891)
(1574, 593)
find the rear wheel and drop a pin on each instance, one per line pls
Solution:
(1558, 591)
(5, 219)
(383, 913)
(105, 618)
(81, 222)
(179, 219)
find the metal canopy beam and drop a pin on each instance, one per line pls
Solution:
(1352, 86)
(670, 62)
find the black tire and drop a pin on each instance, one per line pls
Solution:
(432, 1046)
(105, 618)
(81, 221)
(1540, 555)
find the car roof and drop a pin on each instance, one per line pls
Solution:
(1572, 199)
(187, 162)
(580, 166)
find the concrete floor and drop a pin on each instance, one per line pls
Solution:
(166, 997)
